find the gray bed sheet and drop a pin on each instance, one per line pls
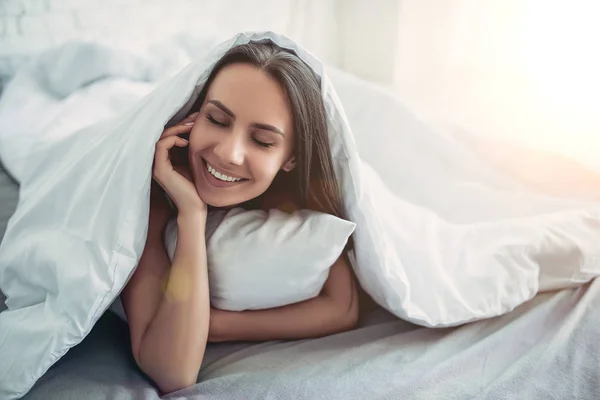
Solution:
(548, 348)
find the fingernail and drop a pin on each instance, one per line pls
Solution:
(188, 124)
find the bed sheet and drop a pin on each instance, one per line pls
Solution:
(547, 348)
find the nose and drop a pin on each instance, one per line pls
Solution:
(230, 149)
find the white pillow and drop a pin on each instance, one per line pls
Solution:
(259, 259)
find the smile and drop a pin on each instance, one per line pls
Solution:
(219, 178)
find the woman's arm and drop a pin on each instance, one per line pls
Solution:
(167, 305)
(334, 310)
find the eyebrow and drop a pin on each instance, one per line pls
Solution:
(255, 125)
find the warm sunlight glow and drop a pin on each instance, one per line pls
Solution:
(562, 57)
(525, 71)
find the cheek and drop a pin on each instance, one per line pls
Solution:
(197, 136)
(266, 167)
(201, 139)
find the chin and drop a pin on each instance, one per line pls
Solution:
(214, 200)
(220, 204)
(219, 200)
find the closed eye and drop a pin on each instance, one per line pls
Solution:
(263, 144)
(215, 122)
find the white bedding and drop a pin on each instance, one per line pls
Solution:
(545, 349)
(443, 236)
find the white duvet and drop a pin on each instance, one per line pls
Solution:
(447, 231)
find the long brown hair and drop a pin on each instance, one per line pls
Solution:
(313, 182)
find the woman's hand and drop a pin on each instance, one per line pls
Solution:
(175, 181)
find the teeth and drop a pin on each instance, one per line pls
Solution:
(221, 176)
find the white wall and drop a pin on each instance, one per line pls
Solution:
(368, 36)
(525, 70)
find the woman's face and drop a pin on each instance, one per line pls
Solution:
(242, 136)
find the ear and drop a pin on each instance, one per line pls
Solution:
(289, 165)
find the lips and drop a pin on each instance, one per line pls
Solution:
(214, 181)
(221, 176)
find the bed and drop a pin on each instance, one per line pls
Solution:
(548, 348)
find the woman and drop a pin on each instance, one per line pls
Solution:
(258, 138)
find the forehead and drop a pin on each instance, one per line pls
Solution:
(252, 95)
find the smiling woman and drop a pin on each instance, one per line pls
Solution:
(245, 134)
(257, 137)
(264, 103)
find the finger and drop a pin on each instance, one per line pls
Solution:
(162, 156)
(170, 142)
(164, 145)
(189, 120)
(191, 117)
(176, 130)
(180, 142)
